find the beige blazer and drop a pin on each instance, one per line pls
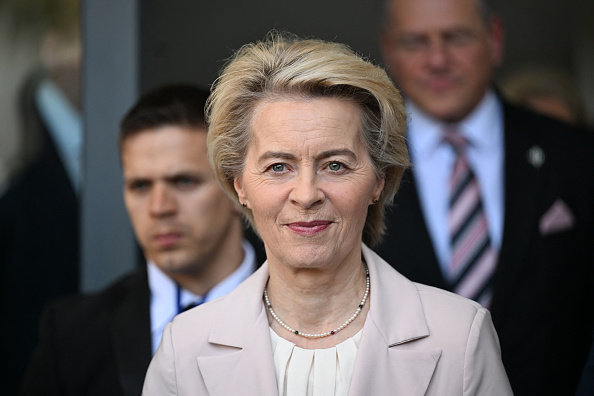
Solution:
(417, 340)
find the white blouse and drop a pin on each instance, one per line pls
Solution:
(314, 372)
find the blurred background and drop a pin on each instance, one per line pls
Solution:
(101, 54)
(131, 46)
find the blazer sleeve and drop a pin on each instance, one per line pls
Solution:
(484, 373)
(161, 377)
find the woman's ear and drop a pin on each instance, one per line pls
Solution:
(240, 192)
(377, 190)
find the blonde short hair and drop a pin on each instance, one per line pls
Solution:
(283, 65)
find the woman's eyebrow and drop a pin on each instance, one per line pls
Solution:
(276, 154)
(336, 152)
(324, 154)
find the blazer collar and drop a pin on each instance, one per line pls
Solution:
(396, 317)
(241, 325)
(397, 322)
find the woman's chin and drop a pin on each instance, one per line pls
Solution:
(306, 257)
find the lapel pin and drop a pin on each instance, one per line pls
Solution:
(535, 156)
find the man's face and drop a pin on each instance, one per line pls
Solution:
(179, 213)
(442, 54)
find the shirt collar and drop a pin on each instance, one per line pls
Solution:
(164, 289)
(479, 127)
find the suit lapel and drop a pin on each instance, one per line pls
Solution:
(409, 248)
(523, 190)
(242, 328)
(381, 364)
(130, 330)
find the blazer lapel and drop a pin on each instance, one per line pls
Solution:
(242, 328)
(245, 364)
(387, 359)
(130, 329)
(380, 368)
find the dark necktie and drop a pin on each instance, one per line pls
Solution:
(473, 258)
(191, 305)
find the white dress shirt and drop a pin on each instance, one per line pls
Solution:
(164, 301)
(433, 160)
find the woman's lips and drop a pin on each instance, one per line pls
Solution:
(310, 227)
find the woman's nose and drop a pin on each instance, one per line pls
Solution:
(306, 191)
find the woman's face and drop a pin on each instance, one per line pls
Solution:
(308, 181)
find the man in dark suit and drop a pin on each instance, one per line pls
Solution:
(530, 180)
(39, 209)
(191, 235)
(586, 384)
(39, 222)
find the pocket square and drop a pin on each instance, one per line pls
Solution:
(557, 218)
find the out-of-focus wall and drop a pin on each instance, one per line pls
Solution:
(583, 56)
(189, 40)
(556, 34)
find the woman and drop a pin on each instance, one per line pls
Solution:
(309, 139)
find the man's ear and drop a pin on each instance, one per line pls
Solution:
(497, 32)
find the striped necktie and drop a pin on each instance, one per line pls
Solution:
(473, 258)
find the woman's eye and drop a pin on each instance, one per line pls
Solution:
(278, 167)
(335, 166)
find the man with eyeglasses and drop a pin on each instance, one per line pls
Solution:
(499, 204)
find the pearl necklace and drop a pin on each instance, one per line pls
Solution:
(328, 333)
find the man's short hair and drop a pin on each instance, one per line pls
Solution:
(170, 105)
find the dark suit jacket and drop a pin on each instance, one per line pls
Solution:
(543, 285)
(94, 345)
(39, 245)
(586, 385)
